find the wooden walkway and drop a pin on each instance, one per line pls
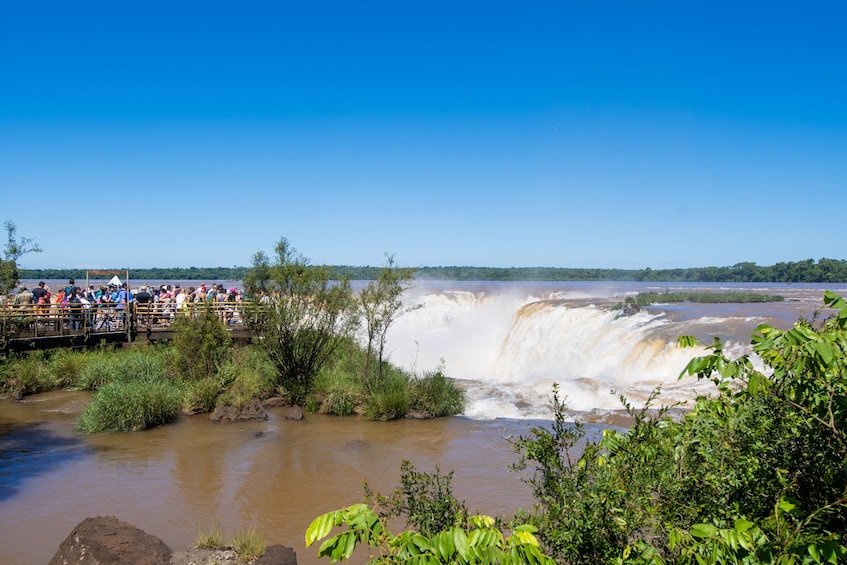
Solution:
(32, 327)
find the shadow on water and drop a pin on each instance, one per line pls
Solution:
(28, 450)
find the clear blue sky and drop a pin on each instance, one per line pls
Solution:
(570, 134)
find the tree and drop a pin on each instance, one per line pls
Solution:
(380, 305)
(303, 317)
(13, 250)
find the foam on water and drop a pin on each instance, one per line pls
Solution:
(509, 349)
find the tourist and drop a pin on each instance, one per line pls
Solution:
(24, 297)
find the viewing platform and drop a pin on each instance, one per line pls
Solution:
(33, 327)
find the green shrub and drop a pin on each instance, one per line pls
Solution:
(200, 344)
(438, 395)
(424, 500)
(130, 406)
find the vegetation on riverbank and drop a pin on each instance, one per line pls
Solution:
(807, 271)
(754, 474)
(647, 298)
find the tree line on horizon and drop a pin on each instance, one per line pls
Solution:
(807, 271)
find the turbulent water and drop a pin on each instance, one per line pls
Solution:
(510, 342)
(506, 344)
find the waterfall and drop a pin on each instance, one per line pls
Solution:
(508, 348)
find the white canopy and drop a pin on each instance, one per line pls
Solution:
(115, 281)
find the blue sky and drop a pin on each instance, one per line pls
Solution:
(569, 134)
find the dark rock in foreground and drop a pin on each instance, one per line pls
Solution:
(101, 540)
(109, 541)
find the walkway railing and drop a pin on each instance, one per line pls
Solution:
(31, 321)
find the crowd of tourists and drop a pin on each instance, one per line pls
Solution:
(106, 304)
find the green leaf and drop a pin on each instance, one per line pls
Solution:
(703, 530)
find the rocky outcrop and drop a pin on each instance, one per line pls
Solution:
(294, 413)
(253, 410)
(109, 541)
(102, 540)
(415, 414)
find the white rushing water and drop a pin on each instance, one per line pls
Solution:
(510, 343)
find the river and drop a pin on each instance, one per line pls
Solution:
(506, 343)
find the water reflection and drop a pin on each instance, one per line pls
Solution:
(28, 450)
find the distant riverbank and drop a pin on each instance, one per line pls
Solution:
(806, 271)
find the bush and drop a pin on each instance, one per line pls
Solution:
(438, 395)
(200, 344)
(131, 406)
(424, 500)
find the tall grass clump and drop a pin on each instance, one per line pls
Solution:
(211, 539)
(131, 406)
(65, 367)
(249, 545)
(339, 382)
(26, 375)
(437, 395)
(101, 368)
(245, 378)
(107, 366)
(390, 398)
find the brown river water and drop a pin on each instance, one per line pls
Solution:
(178, 480)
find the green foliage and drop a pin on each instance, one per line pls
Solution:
(201, 396)
(424, 500)
(130, 406)
(304, 317)
(66, 366)
(200, 344)
(647, 298)
(391, 400)
(437, 395)
(26, 375)
(475, 541)
(246, 379)
(106, 366)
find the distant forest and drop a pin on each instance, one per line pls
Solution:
(808, 271)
